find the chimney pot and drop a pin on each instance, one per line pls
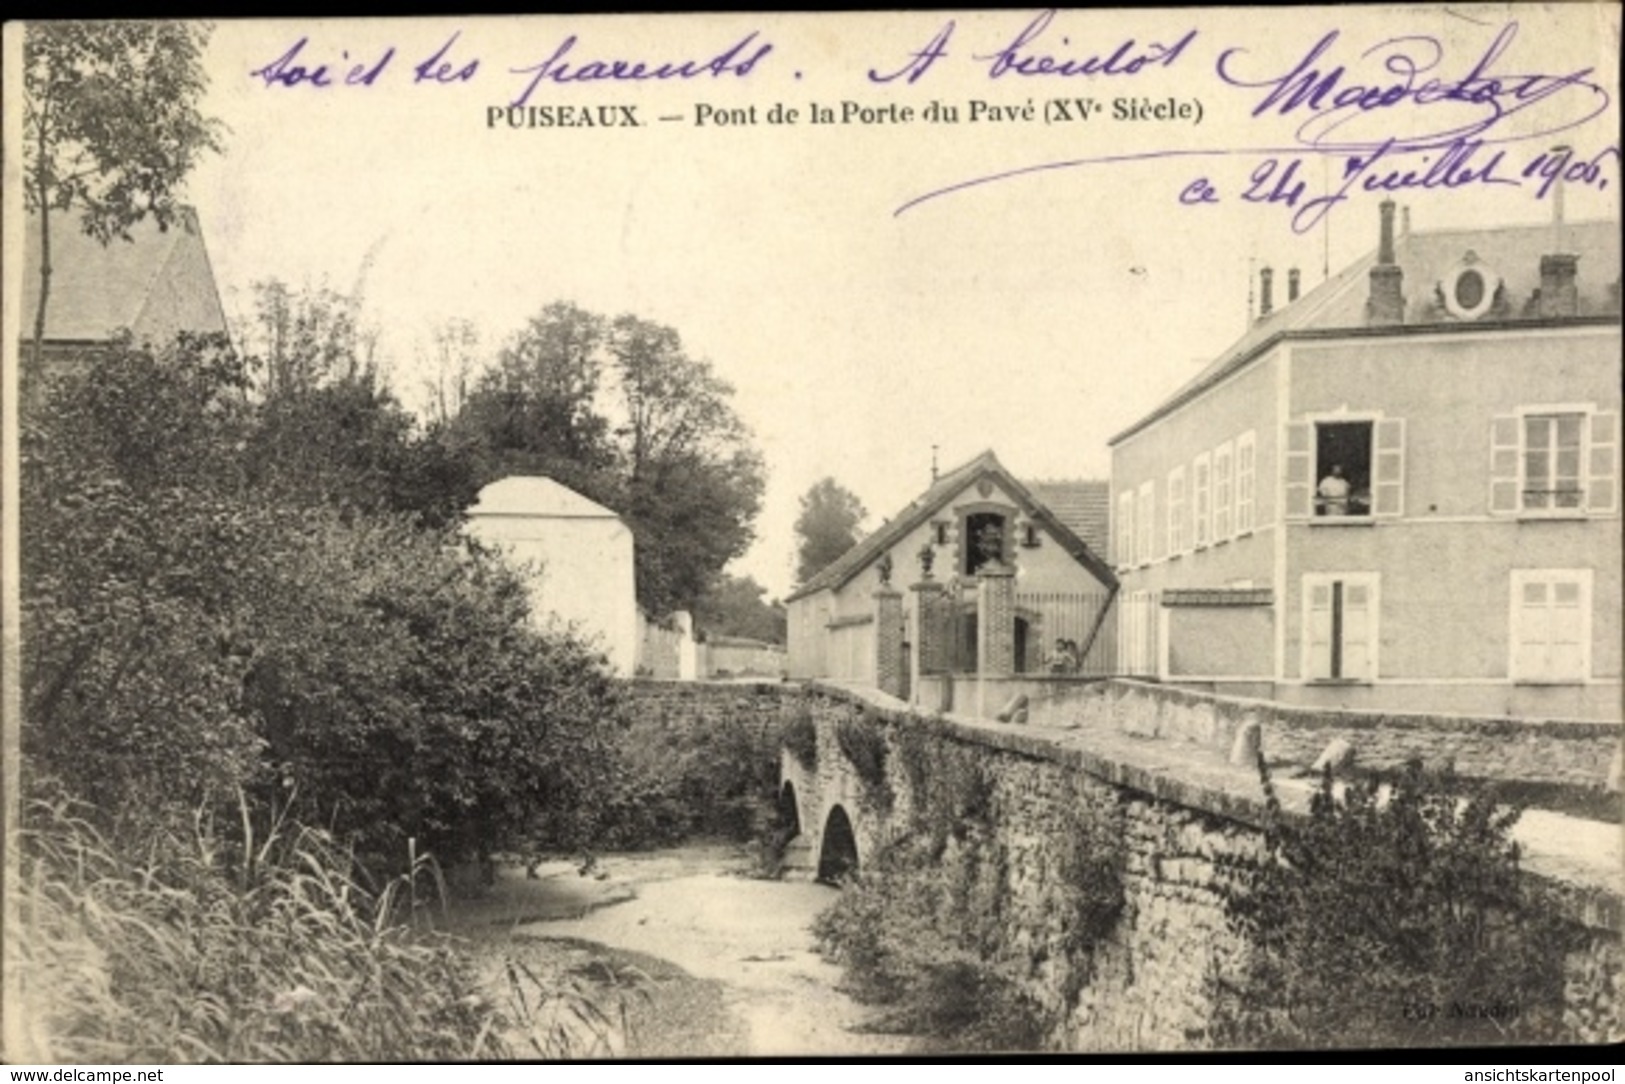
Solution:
(1265, 301)
(1385, 304)
(1385, 247)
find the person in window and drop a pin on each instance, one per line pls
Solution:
(1064, 660)
(1334, 493)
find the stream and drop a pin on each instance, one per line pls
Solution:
(684, 953)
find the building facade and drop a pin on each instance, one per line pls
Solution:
(1400, 490)
(576, 557)
(966, 517)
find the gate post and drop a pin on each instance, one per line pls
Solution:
(995, 628)
(889, 660)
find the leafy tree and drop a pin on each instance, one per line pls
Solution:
(827, 526)
(735, 606)
(111, 127)
(536, 411)
(619, 412)
(692, 479)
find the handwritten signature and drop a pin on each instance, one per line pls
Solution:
(1426, 131)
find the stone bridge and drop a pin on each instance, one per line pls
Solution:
(1144, 773)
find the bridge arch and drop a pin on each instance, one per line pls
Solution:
(838, 852)
(789, 811)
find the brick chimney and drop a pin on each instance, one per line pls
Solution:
(1266, 300)
(1386, 303)
(1292, 286)
(1559, 296)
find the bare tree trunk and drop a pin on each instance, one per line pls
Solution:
(38, 346)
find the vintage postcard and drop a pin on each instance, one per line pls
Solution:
(777, 534)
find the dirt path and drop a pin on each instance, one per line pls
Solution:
(707, 961)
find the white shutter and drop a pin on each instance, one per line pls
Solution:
(1300, 470)
(1602, 463)
(1319, 632)
(1224, 496)
(1246, 472)
(1125, 530)
(1504, 464)
(1201, 500)
(1565, 652)
(1145, 520)
(1357, 603)
(1388, 468)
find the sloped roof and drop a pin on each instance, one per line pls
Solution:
(1082, 504)
(1425, 257)
(99, 289)
(922, 508)
(536, 496)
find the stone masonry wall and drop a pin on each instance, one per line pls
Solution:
(1576, 754)
(1146, 986)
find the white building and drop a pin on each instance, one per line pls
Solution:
(576, 556)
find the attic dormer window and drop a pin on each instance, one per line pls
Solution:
(1469, 288)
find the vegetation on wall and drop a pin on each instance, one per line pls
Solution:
(927, 927)
(1383, 920)
(800, 736)
(863, 743)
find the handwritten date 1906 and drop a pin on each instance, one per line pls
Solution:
(1463, 163)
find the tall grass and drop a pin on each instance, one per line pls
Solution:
(240, 946)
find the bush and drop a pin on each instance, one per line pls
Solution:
(800, 736)
(863, 744)
(674, 782)
(1402, 922)
(203, 948)
(188, 633)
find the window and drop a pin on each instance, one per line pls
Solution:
(981, 541)
(1199, 500)
(1346, 468)
(1223, 491)
(1176, 511)
(1145, 521)
(1550, 625)
(1246, 481)
(1340, 626)
(1125, 530)
(1553, 461)
(1029, 536)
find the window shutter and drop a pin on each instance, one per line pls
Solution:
(1320, 631)
(1246, 463)
(1300, 469)
(1602, 463)
(1504, 464)
(1125, 529)
(1357, 618)
(1388, 470)
(1201, 500)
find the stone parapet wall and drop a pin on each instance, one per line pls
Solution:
(1183, 822)
(1568, 753)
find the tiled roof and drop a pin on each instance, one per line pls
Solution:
(96, 289)
(1513, 252)
(944, 489)
(1082, 504)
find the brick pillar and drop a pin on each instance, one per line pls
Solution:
(889, 660)
(931, 649)
(996, 620)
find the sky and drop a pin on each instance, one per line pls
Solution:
(1036, 314)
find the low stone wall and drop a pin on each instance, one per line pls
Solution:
(1565, 753)
(1179, 825)
(698, 704)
